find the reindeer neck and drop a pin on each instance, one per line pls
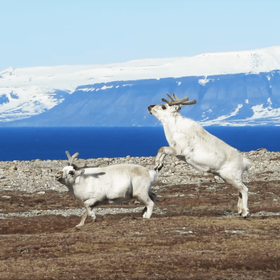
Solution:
(172, 120)
(70, 187)
(177, 123)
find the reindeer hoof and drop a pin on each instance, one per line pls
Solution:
(245, 216)
(144, 210)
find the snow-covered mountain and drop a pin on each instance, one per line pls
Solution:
(232, 88)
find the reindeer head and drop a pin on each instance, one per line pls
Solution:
(69, 173)
(171, 107)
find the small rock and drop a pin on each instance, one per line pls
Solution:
(11, 169)
(41, 192)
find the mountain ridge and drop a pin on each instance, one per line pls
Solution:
(92, 95)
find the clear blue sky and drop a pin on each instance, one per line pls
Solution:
(56, 32)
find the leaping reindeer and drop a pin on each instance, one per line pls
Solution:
(207, 153)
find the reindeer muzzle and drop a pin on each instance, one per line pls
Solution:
(150, 108)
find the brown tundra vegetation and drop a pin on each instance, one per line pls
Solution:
(194, 232)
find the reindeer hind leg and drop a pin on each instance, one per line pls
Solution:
(243, 192)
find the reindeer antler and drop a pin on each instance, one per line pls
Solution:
(71, 158)
(176, 101)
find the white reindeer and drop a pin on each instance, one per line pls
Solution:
(189, 141)
(103, 185)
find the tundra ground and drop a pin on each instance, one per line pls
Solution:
(197, 236)
(194, 232)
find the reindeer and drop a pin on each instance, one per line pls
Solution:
(189, 141)
(102, 185)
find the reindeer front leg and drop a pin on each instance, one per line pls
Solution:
(162, 152)
(89, 203)
(82, 222)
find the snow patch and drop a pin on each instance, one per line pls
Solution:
(106, 87)
(203, 82)
(221, 119)
(87, 89)
(30, 102)
(269, 101)
(259, 112)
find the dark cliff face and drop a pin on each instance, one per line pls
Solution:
(231, 98)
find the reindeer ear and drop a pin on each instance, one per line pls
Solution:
(80, 172)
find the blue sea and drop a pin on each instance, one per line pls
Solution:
(94, 142)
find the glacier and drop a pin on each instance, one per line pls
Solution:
(231, 89)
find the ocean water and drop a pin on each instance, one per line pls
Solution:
(94, 142)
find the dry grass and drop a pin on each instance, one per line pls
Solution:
(194, 239)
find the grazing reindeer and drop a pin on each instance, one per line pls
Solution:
(102, 185)
(191, 142)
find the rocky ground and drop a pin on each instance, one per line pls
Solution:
(194, 232)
